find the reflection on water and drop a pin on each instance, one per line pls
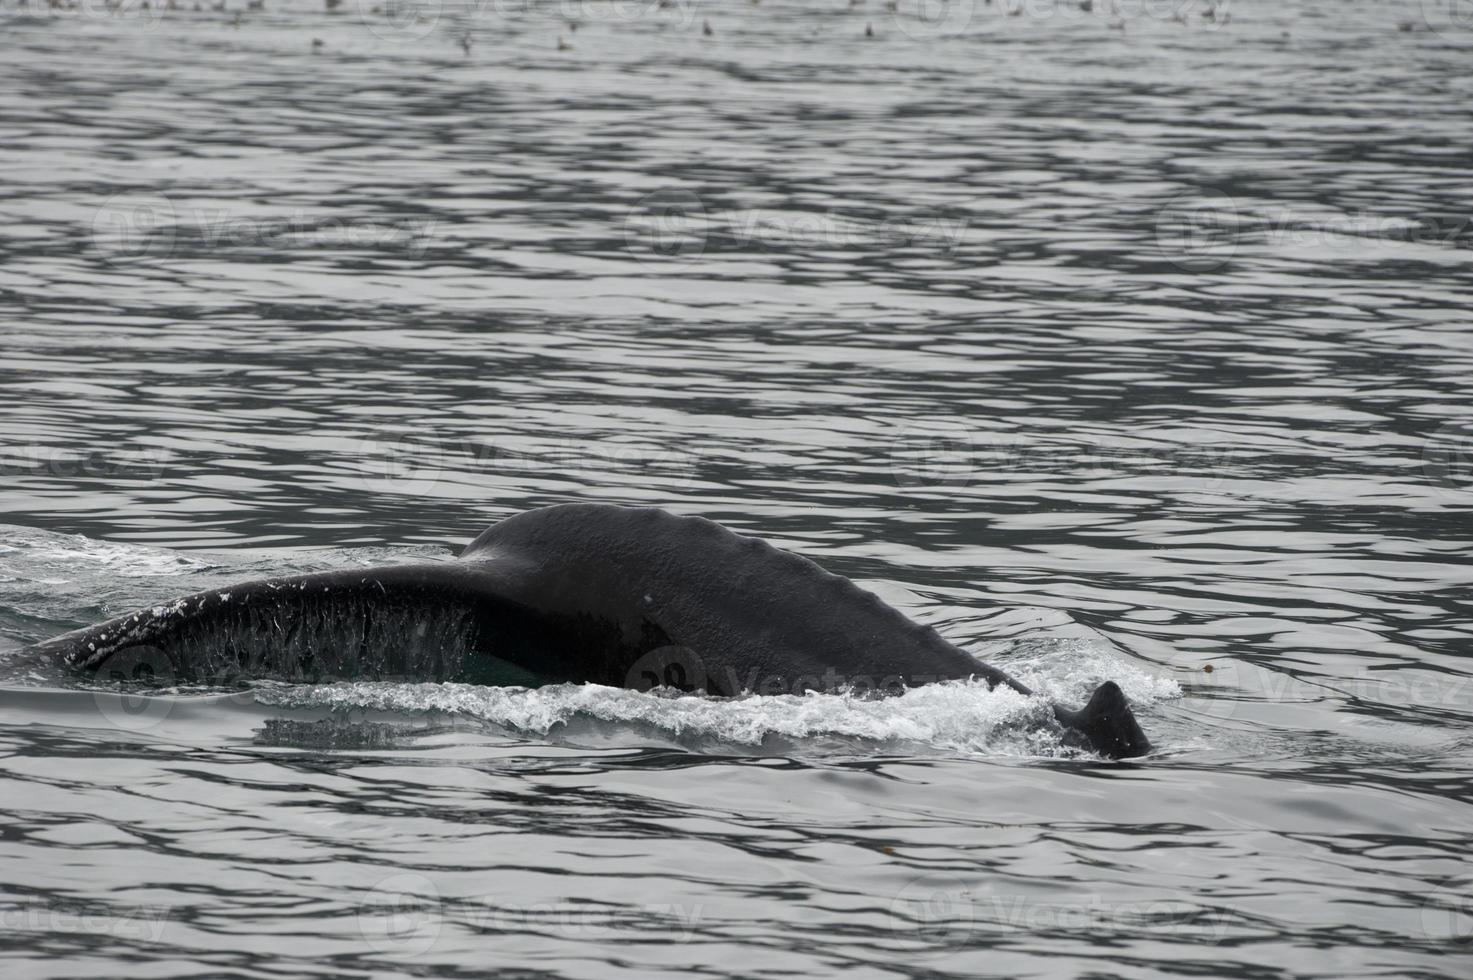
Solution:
(1142, 327)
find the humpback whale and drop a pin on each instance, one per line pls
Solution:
(623, 596)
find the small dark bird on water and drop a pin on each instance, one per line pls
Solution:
(563, 45)
(1086, 5)
(706, 28)
(869, 29)
(333, 4)
(465, 43)
(317, 44)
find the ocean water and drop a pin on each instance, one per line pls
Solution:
(1125, 343)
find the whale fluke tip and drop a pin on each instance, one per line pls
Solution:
(1107, 724)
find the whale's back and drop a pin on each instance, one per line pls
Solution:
(735, 610)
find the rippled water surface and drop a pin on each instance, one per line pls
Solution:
(1113, 346)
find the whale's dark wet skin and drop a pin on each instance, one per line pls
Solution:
(623, 596)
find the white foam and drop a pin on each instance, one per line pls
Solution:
(952, 717)
(73, 554)
(1069, 670)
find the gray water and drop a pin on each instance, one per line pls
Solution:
(1137, 353)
